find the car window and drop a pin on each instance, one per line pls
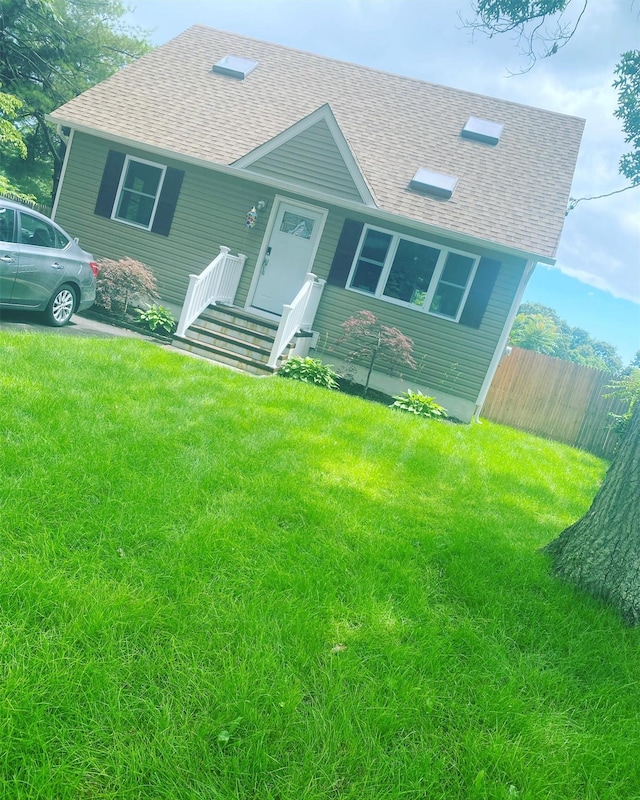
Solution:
(38, 233)
(61, 240)
(7, 216)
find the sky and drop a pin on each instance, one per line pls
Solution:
(596, 281)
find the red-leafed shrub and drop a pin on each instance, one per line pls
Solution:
(368, 340)
(123, 283)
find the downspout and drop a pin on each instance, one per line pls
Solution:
(68, 140)
(504, 338)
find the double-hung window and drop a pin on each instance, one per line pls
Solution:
(412, 272)
(138, 192)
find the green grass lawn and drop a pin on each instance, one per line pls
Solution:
(213, 586)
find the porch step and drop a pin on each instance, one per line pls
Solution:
(249, 347)
(234, 329)
(228, 319)
(221, 356)
(234, 337)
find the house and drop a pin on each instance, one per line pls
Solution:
(280, 192)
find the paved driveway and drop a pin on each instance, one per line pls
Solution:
(78, 326)
(83, 326)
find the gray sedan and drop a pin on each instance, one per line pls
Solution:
(41, 267)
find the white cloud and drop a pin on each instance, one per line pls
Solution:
(596, 250)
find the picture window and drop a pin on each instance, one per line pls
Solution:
(412, 272)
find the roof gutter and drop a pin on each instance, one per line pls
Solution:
(322, 197)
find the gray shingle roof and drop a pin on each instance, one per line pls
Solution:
(514, 193)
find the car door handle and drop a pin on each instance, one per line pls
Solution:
(55, 265)
(7, 259)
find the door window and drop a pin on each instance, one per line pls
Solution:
(295, 225)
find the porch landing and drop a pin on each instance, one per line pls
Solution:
(234, 337)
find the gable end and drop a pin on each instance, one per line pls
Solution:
(312, 154)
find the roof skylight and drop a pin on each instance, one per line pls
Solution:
(433, 183)
(235, 67)
(482, 130)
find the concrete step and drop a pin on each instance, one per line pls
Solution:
(234, 337)
(235, 331)
(220, 356)
(242, 344)
(238, 318)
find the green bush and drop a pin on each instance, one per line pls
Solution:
(122, 283)
(155, 317)
(627, 389)
(309, 370)
(419, 404)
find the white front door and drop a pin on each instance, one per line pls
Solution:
(288, 256)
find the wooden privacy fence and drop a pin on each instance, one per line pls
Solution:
(555, 399)
(46, 210)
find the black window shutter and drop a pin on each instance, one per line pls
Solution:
(109, 184)
(345, 251)
(480, 292)
(167, 201)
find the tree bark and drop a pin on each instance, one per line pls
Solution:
(600, 553)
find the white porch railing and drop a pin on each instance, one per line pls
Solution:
(298, 315)
(218, 283)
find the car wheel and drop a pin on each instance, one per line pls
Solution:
(61, 307)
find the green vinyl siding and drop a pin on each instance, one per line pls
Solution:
(311, 160)
(451, 357)
(211, 211)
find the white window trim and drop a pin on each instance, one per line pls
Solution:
(435, 278)
(123, 175)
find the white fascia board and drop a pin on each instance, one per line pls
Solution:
(322, 197)
(324, 113)
(68, 142)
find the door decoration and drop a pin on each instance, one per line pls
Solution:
(252, 213)
(252, 217)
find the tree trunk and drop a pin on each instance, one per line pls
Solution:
(600, 553)
(374, 353)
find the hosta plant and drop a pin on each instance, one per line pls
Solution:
(155, 317)
(309, 370)
(419, 404)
